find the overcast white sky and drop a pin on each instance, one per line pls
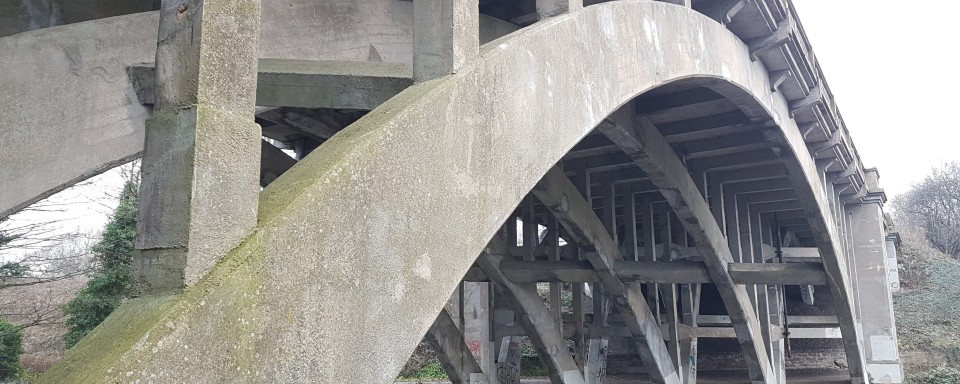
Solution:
(891, 66)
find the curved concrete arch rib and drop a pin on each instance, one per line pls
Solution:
(341, 278)
(791, 150)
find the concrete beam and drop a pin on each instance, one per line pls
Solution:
(308, 83)
(584, 227)
(760, 186)
(750, 159)
(658, 272)
(779, 37)
(201, 160)
(641, 140)
(710, 133)
(700, 109)
(765, 172)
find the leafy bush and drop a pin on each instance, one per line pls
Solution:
(11, 347)
(939, 375)
(107, 289)
(12, 269)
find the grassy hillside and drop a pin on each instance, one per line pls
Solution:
(928, 314)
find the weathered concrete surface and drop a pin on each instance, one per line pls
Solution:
(201, 161)
(26, 15)
(302, 299)
(68, 106)
(309, 83)
(875, 303)
(66, 90)
(444, 36)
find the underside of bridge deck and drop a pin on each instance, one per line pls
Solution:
(456, 171)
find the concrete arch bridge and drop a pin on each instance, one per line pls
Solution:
(678, 172)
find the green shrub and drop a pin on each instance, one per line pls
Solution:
(939, 375)
(12, 269)
(11, 347)
(107, 289)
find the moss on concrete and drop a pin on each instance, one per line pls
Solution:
(95, 355)
(117, 345)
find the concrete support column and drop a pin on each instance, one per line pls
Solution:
(477, 323)
(893, 268)
(690, 301)
(446, 35)
(595, 368)
(550, 8)
(875, 299)
(669, 291)
(650, 253)
(201, 162)
(507, 349)
(778, 345)
(582, 181)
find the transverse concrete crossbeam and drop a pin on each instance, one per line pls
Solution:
(665, 272)
(309, 83)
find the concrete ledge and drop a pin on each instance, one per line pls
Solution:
(309, 83)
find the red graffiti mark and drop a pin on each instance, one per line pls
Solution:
(474, 347)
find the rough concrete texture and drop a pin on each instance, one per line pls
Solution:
(207, 54)
(308, 83)
(302, 299)
(444, 36)
(550, 8)
(201, 158)
(198, 196)
(66, 88)
(26, 15)
(868, 240)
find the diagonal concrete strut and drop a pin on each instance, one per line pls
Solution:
(585, 228)
(642, 141)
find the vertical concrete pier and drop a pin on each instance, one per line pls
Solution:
(201, 160)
